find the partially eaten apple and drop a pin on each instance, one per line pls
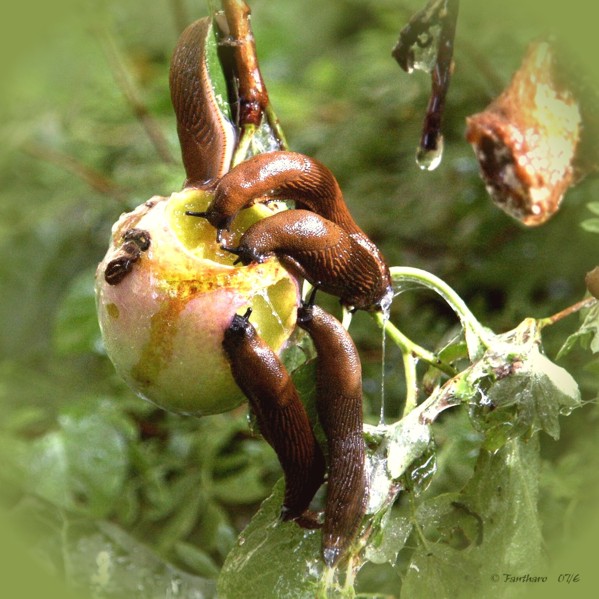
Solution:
(166, 291)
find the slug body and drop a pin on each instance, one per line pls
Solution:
(281, 416)
(206, 136)
(280, 175)
(347, 265)
(319, 241)
(339, 405)
(135, 242)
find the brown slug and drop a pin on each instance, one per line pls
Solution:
(320, 241)
(345, 265)
(206, 137)
(135, 241)
(339, 405)
(281, 416)
(280, 175)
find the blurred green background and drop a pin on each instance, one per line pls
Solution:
(83, 458)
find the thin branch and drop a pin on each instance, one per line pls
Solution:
(477, 337)
(127, 87)
(180, 16)
(93, 178)
(581, 305)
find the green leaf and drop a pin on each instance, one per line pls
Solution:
(215, 73)
(593, 207)
(244, 487)
(14, 456)
(587, 335)
(117, 565)
(196, 559)
(186, 503)
(99, 556)
(390, 537)
(76, 329)
(491, 527)
(591, 225)
(272, 558)
(215, 533)
(83, 465)
(519, 390)
(504, 492)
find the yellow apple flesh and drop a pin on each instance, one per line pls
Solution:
(163, 323)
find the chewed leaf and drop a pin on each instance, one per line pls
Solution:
(519, 390)
(491, 526)
(535, 395)
(409, 440)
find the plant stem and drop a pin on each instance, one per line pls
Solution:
(275, 125)
(138, 107)
(587, 302)
(243, 145)
(409, 364)
(477, 337)
(409, 347)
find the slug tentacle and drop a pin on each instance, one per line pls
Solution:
(281, 416)
(280, 175)
(206, 137)
(322, 252)
(339, 405)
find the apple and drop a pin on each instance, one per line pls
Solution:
(163, 317)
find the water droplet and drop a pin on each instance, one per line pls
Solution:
(430, 159)
(424, 52)
(423, 471)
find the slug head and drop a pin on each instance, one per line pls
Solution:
(245, 254)
(239, 330)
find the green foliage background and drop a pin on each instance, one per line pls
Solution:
(74, 157)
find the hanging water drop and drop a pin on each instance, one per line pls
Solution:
(428, 159)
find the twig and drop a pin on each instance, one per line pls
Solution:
(415, 36)
(127, 87)
(581, 305)
(93, 178)
(179, 15)
(432, 139)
